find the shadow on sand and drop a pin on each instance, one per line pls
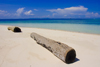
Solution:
(76, 60)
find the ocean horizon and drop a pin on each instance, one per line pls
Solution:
(75, 25)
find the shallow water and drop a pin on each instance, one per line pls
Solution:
(75, 25)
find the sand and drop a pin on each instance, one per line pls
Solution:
(20, 50)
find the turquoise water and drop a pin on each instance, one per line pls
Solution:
(75, 25)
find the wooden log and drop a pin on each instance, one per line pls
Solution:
(14, 29)
(61, 50)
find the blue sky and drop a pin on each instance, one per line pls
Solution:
(13, 9)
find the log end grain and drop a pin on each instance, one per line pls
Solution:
(70, 56)
(17, 29)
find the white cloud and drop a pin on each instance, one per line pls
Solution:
(19, 11)
(54, 14)
(73, 11)
(92, 14)
(80, 8)
(28, 12)
(65, 15)
(69, 10)
(35, 9)
(4, 13)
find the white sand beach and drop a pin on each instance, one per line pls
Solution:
(20, 50)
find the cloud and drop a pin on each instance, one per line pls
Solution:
(4, 13)
(19, 11)
(28, 12)
(73, 11)
(92, 14)
(35, 9)
(69, 10)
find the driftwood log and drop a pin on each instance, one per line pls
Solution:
(61, 50)
(14, 29)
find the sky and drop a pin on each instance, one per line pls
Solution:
(16, 9)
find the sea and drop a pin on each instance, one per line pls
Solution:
(91, 26)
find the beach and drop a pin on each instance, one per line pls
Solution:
(20, 50)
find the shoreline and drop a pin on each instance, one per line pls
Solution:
(54, 29)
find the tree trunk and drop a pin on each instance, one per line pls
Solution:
(61, 50)
(14, 29)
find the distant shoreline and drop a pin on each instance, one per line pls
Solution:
(51, 19)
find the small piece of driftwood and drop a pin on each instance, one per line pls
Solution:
(14, 29)
(61, 50)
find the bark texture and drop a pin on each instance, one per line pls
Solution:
(61, 50)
